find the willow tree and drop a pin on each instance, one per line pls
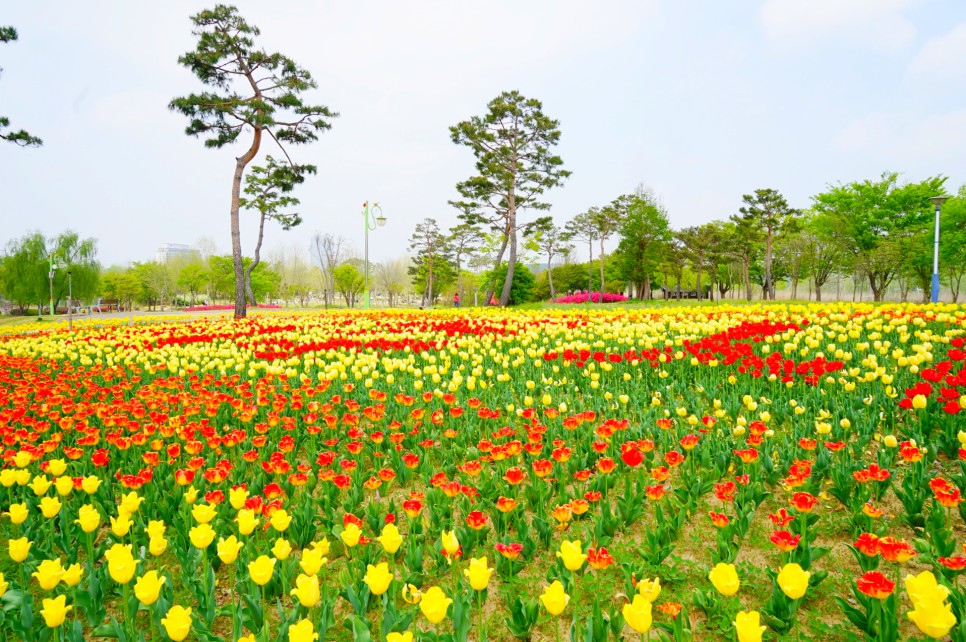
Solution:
(250, 91)
(512, 144)
(19, 137)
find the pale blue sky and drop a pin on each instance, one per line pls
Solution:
(701, 100)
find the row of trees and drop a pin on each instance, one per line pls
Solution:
(874, 232)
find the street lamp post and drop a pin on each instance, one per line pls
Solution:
(70, 301)
(938, 202)
(373, 218)
(50, 275)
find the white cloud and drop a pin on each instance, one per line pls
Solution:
(939, 139)
(881, 24)
(862, 133)
(941, 59)
(935, 141)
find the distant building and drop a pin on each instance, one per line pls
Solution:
(170, 251)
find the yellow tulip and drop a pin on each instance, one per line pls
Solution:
(302, 631)
(157, 546)
(18, 513)
(88, 518)
(237, 497)
(204, 513)
(554, 598)
(321, 547)
(378, 578)
(131, 502)
(4, 584)
(350, 535)
(64, 486)
(148, 587)
(724, 577)
(312, 561)
(49, 574)
(8, 477)
(306, 590)
(924, 589)
(571, 554)
(390, 539)
(649, 589)
(434, 604)
(247, 521)
(156, 528)
(280, 520)
(228, 549)
(201, 536)
(411, 594)
(19, 549)
(261, 570)
(191, 495)
(934, 618)
(478, 573)
(177, 623)
(405, 636)
(40, 485)
(55, 611)
(748, 625)
(22, 477)
(637, 614)
(50, 507)
(120, 563)
(282, 549)
(450, 543)
(72, 576)
(793, 581)
(90, 484)
(56, 467)
(22, 459)
(121, 524)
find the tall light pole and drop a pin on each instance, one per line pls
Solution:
(373, 218)
(50, 275)
(938, 202)
(70, 301)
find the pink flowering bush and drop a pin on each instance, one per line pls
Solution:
(609, 297)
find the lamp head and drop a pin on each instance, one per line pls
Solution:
(938, 200)
(380, 217)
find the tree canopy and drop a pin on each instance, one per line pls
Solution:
(251, 90)
(515, 165)
(19, 137)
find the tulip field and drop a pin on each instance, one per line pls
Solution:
(777, 472)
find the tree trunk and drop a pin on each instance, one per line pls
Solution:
(955, 280)
(499, 261)
(601, 266)
(429, 283)
(794, 288)
(511, 265)
(769, 292)
(818, 291)
(590, 270)
(255, 259)
(236, 251)
(746, 266)
(553, 294)
(698, 280)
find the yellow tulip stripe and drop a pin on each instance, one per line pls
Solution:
(677, 472)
